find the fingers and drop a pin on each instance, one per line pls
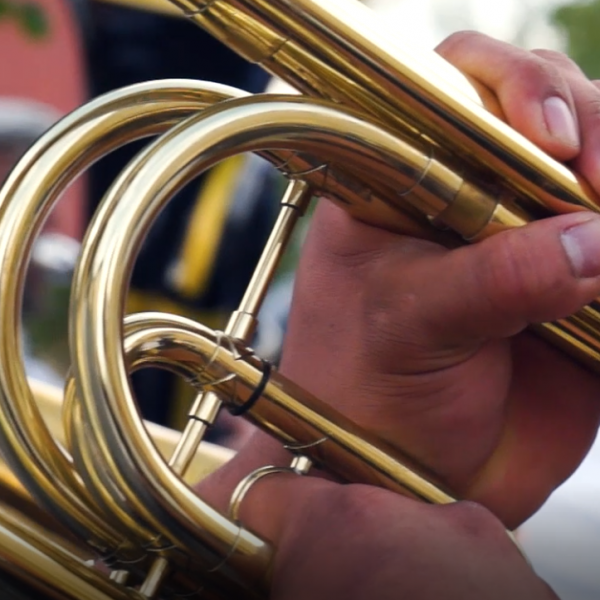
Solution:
(544, 97)
(425, 301)
(397, 544)
(550, 424)
(494, 289)
(586, 98)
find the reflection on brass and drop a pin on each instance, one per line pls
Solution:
(485, 177)
(95, 502)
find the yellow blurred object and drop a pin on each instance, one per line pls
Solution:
(205, 231)
(208, 458)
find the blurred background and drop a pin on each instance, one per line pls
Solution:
(198, 258)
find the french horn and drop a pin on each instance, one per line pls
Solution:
(98, 505)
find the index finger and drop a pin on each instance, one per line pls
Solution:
(535, 95)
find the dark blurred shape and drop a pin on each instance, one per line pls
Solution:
(129, 46)
(178, 269)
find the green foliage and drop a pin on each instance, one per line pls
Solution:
(580, 23)
(47, 328)
(28, 15)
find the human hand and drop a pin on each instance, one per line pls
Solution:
(358, 542)
(426, 346)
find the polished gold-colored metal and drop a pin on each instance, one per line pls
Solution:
(340, 50)
(39, 552)
(300, 465)
(241, 326)
(399, 139)
(105, 506)
(300, 421)
(148, 489)
(63, 152)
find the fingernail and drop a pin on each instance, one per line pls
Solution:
(582, 246)
(560, 121)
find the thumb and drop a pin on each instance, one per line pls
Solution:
(494, 289)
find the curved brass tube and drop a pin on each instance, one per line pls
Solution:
(127, 483)
(346, 55)
(39, 554)
(138, 473)
(226, 366)
(43, 466)
(387, 135)
(48, 566)
(25, 200)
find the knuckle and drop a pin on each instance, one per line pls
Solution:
(560, 59)
(592, 108)
(519, 277)
(539, 72)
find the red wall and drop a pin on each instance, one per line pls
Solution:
(49, 70)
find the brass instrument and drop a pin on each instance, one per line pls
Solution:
(378, 130)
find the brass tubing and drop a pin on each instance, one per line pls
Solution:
(241, 326)
(25, 200)
(341, 51)
(346, 41)
(293, 205)
(46, 564)
(419, 89)
(230, 370)
(243, 321)
(155, 492)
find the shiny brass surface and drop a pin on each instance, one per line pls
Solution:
(99, 504)
(42, 466)
(109, 484)
(39, 552)
(147, 488)
(339, 50)
(231, 371)
(241, 326)
(48, 565)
